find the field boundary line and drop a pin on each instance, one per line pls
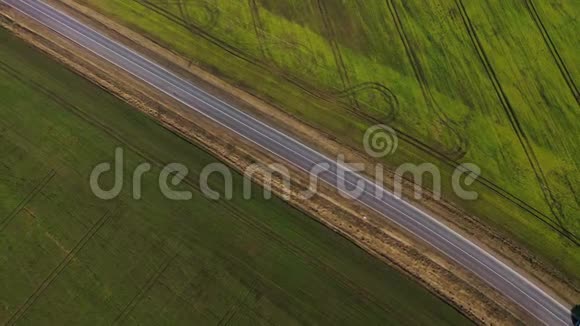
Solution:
(59, 268)
(37, 188)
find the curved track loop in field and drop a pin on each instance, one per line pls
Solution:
(391, 108)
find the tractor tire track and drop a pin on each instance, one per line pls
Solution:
(259, 30)
(59, 268)
(350, 90)
(126, 312)
(234, 51)
(266, 41)
(553, 50)
(392, 109)
(39, 186)
(555, 207)
(235, 308)
(183, 8)
(337, 54)
(462, 143)
(331, 272)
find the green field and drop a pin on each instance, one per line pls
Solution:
(489, 82)
(68, 258)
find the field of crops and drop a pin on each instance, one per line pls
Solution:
(489, 82)
(67, 257)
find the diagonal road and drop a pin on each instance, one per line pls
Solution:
(540, 305)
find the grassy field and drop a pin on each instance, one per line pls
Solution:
(67, 257)
(491, 83)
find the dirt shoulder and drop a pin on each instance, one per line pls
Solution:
(374, 233)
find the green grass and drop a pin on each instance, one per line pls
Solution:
(476, 83)
(67, 257)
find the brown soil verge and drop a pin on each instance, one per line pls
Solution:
(373, 234)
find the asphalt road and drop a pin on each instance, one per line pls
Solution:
(530, 297)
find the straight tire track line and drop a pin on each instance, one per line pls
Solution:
(139, 296)
(39, 186)
(553, 50)
(553, 204)
(462, 144)
(59, 268)
(259, 30)
(234, 309)
(331, 35)
(338, 58)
